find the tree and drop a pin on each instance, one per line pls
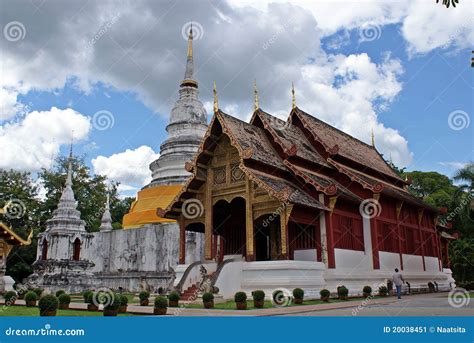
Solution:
(434, 188)
(118, 209)
(23, 214)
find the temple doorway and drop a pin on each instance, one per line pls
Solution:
(267, 238)
(229, 227)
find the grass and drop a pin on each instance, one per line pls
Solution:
(230, 304)
(23, 311)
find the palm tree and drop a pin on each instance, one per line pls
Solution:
(466, 174)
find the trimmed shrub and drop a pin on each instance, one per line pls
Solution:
(342, 292)
(64, 298)
(115, 303)
(174, 296)
(31, 296)
(48, 303)
(58, 293)
(258, 295)
(298, 293)
(87, 295)
(38, 291)
(383, 291)
(10, 296)
(161, 302)
(123, 300)
(367, 290)
(324, 293)
(240, 297)
(144, 295)
(207, 297)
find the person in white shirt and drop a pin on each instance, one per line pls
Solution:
(398, 280)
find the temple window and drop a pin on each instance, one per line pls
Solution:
(44, 250)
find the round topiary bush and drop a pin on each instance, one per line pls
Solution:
(161, 302)
(240, 297)
(258, 298)
(30, 299)
(58, 293)
(144, 298)
(298, 295)
(342, 292)
(325, 294)
(173, 298)
(367, 291)
(10, 297)
(38, 291)
(48, 305)
(64, 301)
(383, 291)
(206, 297)
(87, 295)
(111, 307)
(123, 300)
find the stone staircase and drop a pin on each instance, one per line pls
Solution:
(190, 294)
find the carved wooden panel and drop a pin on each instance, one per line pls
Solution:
(219, 175)
(236, 174)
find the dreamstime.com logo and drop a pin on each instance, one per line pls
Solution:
(458, 298)
(281, 297)
(103, 296)
(458, 120)
(14, 31)
(198, 31)
(370, 208)
(46, 331)
(192, 208)
(369, 32)
(14, 209)
(103, 120)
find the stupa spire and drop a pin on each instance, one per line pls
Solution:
(373, 138)
(189, 73)
(255, 91)
(106, 221)
(293, 97)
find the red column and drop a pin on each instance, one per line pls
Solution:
(330, 240)
(400, 251)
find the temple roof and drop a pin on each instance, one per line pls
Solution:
(340, 143)
(11, 237)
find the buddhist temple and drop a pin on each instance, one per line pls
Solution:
(187, 125)
(299, 203)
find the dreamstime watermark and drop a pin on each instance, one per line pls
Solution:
(198, 31)
(14, 31)
(281, 297)
(369, 32)
(284, 28)
(192, 208)
(103, 296)
(466, 200)
(103, 30)
(366, 302)
(103, 120)
(458, 298)
(14, 209)
(370, 208)
(458, 120)
(45, 331)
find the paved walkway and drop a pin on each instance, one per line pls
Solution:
(434, 304)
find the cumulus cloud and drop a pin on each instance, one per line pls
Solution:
(130, 167)
(33, 142)
(138, 47)
(453, 165)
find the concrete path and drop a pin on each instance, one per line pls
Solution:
(434, 304)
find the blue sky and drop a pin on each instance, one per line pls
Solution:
(411, 88)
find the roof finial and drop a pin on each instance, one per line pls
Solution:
(255, 92)
(293, 97)
(216, 101)
(69, 166)
(190, 42)
(373, 138)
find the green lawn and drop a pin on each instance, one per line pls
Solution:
(23, 311)
(230, 304)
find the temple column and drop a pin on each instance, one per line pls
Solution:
(284, 216)
(182, 240)
(399, 232)
(422, 239)
(330, 233)
(375, 237)
(208, 217)
(249, 229)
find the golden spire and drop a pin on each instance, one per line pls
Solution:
(373, 138)
(216, 101)
(293, 97)
(255, 92)
(190, 42)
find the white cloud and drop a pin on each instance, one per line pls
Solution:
(33, 142)
(453, 165)
(130, 167)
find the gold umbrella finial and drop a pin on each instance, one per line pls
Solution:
(373, 138)
(216, 101)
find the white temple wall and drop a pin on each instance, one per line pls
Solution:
(352, 259)
(431, 263)
(412, 263)
(389, 260)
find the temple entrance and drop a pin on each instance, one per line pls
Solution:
(44, 250)
(76, 250)
(267, 238)
(229, 228)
